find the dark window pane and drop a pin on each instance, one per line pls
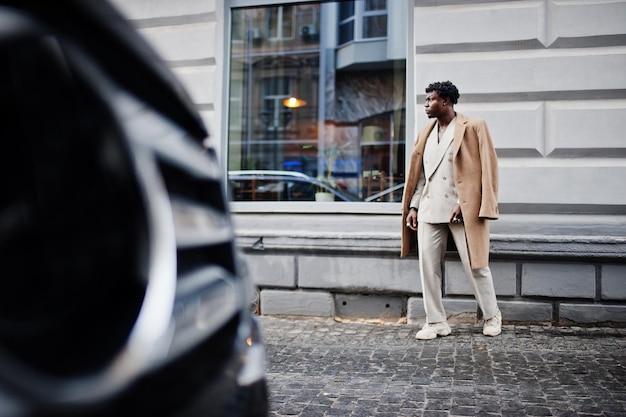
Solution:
(287, 22)
(276, 86)
(375, 27)
(346, 10)
(272, 22)
(375, 5)
(346, 32)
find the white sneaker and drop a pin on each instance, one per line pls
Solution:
(493, 326)
(432, 330)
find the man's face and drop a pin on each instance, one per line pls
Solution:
(433, 105)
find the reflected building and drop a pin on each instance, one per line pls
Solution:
(313, 89)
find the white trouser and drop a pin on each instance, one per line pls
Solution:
(433, 239)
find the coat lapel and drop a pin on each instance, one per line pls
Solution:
(435, 152)
(415, 165)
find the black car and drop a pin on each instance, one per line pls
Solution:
(120, 290)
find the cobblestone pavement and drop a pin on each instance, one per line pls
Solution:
(320, 367)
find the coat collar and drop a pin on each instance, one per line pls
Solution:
(461, 123)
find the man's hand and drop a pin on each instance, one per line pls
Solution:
(411, 219)
(456, 216)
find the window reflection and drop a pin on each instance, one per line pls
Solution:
(346, 21)
(374, 26)
(345, 130)
(362, 19)
(280, 22)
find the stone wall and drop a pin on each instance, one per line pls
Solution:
(389, 289)
(545, 274)
(547, 75)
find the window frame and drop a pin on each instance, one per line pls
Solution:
(280, 25)
(276, 97)
(312, 207)
(360, 14)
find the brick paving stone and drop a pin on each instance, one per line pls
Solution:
(320, 368)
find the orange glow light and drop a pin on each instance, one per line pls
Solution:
(293, 102)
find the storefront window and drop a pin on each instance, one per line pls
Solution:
(298, 125)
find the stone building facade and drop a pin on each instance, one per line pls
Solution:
(547, 75)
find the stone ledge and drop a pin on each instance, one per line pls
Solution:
(592, 313)
(399, 309)
(297, 303)
(570, 236)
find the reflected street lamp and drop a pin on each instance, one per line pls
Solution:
(293, 102)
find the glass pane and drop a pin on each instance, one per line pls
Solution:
(381, 157)
(296, 128)
(346, 32)
(236, 110)
(272, 21)
(238, 25)
(346, 10)
(375, 5)
(287, 22)
(375, 27)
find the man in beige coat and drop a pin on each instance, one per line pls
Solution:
(451, 189)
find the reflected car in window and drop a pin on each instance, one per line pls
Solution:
(269, 185)
(393, 194)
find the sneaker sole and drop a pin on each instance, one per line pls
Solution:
(433, 337)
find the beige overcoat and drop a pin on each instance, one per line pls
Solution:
(476, 181)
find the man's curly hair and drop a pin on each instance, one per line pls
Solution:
(444, 89)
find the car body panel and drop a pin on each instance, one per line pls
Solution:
(122, 292)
